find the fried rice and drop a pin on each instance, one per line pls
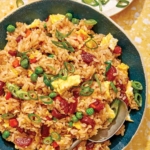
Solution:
(79, 67)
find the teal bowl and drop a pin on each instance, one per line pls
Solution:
(131, 57)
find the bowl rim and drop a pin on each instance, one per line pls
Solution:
(122, 30)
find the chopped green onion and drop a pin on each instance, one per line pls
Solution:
(98, 81)
(46, 99)
(104, 1)
(69, 67)
(60, 36)
(91, 22)
(108, 66)
(115, 107)
(138, 99)
(86, 91)
(91, 2)
(13, 88)
(7, 116)
(122, 3)
(113, 87)
(63, 74)
(64, 45)
(55, 136)
(137, 85)
(100, 5)
(86, 83)
(34, 118)
(91, 44)
(22, 95)
(47, 140)
(90, 111)
(19, 3)
(32, 95)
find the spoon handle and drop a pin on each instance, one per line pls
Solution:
(75, 143)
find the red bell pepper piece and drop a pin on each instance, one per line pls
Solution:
(8, 95)
(55, 145)
(97, 105)
(13, 122)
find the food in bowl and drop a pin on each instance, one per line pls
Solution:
(58, 81)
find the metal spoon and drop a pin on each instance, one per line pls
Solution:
(105, 134)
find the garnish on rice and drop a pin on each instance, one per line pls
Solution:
(60, 82)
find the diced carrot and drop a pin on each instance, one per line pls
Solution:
(15, 63)
(28, 32)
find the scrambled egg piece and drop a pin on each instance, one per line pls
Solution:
(110, 112)
(82, 33)
(123, 66)
(29, 72)
(109, 41)
(55, 18)
(61, 86)
(106, 84)
(129, 90)
(34, 24)
(77, 125)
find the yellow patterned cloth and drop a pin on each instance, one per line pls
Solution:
(135, 20)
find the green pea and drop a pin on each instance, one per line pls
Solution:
(39, 70)
(79, 115)
(70, 124)
(47, 82)
(74, 118)
(53, 95)
(34, 77)
(69, 16)
(90, 111)
(24, 63)
(75, 20)
(5, 134)
(10, 28)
